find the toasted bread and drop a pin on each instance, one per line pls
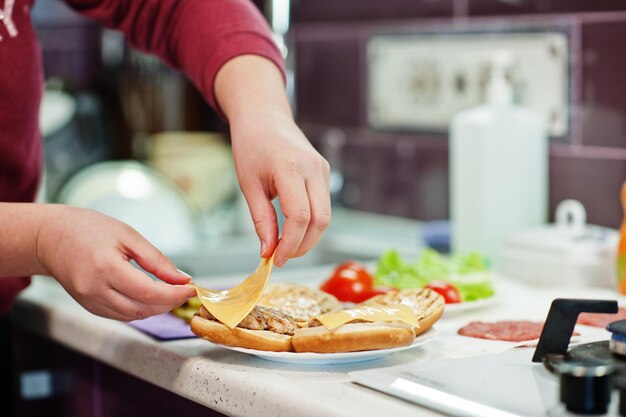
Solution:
(427, 305)
(300, 302)
(216, 332)
(353, 337)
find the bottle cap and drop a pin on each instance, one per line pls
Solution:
(499, 90)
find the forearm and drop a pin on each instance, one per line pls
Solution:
(248, 86)
(19, 228)
(196, 36)
(273, 158)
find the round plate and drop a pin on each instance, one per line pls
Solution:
(333, 358)
(470, 305)
(137, 195)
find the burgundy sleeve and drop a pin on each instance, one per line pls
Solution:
(195, 36)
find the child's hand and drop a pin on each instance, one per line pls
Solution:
(90, 253)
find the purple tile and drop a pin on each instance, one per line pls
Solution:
(336, 10)
(397, 175)
(603, 86)
(499, 7)
(328, 80)
(593, 181)
(407, 175)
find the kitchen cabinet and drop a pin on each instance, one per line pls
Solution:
(84, 386)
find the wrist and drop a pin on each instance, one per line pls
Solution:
(47, 232)
(260, 117)
(250, 84)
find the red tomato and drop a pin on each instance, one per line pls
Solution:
(351, 282)
(373, 293)
(448, 291)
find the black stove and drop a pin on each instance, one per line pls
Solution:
(588, 372)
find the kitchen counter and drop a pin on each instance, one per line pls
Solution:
(237, 384)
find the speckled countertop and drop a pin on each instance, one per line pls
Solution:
(240, 385)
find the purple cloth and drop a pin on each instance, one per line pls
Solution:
(164, 327)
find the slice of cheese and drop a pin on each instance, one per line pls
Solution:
(396, 312)
(233, 305)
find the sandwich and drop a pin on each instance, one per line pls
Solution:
(298, 301)
(263, 329)
(317, 322)
(356, 334)
(427, 305)
(270, 330)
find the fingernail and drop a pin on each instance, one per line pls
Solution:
(183, 273)
(263, 247)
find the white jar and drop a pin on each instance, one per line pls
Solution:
(498, 169)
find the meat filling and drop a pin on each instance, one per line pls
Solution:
(261, 318)
(316, 323)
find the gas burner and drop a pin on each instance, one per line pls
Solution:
(588, 371)
(618, 337)
(597, 352)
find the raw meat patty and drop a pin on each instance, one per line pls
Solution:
(511, 331)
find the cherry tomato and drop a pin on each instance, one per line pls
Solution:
(352, 283)
(448, 291)
(366, 295)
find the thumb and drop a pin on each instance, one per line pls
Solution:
(264, 218)
(155, 262)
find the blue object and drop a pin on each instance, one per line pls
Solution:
(436, 234)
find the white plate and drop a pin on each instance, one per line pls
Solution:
(470, 305)
(333, 358)
(137, 195)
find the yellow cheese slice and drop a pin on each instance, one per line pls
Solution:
(395, 312)
(233, 305)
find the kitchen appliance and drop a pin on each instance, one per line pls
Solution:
(516, 383)
(568, 253)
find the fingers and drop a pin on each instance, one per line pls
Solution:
(127, 309)
(136, 285)
(118, 306)
(154, 261)
(294, 202)
(264, 217)
(319, 200)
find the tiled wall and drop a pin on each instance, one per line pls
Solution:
(406, 173)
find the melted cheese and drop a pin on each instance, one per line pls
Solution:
(397, 312)
(233, 305)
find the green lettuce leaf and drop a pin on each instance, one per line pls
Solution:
(468, 273)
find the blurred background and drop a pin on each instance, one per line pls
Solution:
(374, 85)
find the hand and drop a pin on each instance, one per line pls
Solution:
(89, 254)
(273, 158)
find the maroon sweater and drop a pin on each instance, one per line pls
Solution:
(195, 36)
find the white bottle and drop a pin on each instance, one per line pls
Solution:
(498, 169)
